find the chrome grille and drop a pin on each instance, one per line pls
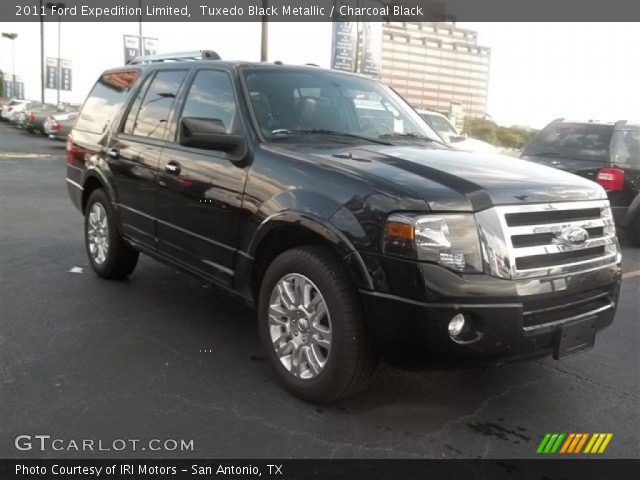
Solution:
(526, 241)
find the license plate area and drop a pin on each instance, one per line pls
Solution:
(574, 337)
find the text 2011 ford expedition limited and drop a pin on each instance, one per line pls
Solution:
(324, 200)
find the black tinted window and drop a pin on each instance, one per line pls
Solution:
(579, 141)
(156, 105)
(625, 147)
(211, 97)
(105, 100)
(135, 107)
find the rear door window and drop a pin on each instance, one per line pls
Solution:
(105, 100)
(153, 116)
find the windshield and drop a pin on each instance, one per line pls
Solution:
(439, 124)
(294, 103)
(578, 141)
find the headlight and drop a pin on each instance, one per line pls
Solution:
(450, 240)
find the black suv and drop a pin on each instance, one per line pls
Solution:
(322, 199)
(608, 153)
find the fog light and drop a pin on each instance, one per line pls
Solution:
(456, 325)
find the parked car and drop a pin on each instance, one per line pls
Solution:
(59, 125)
(11, 109)
(451, 135)
(21, 119)
(608, 153)
(36, 116)
(350, 239)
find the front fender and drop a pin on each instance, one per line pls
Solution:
(315, 224)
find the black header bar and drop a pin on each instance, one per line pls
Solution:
(319, 10)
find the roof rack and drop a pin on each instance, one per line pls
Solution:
(172, 57)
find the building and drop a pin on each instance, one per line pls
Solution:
(437, 66)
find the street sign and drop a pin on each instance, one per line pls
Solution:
(150, 45)
(371, 59)
(19, 93)
(134, 47)
(66, 75)
(52, 73)
(131, 47)
(343, 47)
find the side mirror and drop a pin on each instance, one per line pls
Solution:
(207, 133)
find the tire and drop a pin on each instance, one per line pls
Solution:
(114, 259)
(632, 232)
(352, 357)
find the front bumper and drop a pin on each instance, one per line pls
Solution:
(515, 319)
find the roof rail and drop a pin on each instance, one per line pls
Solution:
(195, 55)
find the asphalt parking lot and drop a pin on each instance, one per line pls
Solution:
(160, 356)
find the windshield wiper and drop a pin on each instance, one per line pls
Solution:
(544, 154)
(323, 131)
(413, 136)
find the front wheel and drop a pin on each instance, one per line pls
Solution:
(110, 257)
(312, 326)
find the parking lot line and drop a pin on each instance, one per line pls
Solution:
(634, 273)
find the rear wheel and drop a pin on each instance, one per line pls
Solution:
(312, 326)
(109, 256)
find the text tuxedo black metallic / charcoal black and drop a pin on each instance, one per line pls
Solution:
(325, 201)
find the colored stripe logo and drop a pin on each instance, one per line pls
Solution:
(569, 443)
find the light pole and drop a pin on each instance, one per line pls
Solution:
(12, 37)
(58, 6)
(264, 40)
(41, 52)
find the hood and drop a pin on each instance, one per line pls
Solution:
(463, 181)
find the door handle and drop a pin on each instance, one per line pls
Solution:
(113, 152)
(172, 168)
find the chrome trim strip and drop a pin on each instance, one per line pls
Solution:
(133, 210)
(557, 227)
(217, 266)
(552, 207)
(77, 185)
(440, 305)
(553, 248)
(553, 324)
(565, 305)
(75, 168)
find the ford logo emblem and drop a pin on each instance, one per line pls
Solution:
(573, 236)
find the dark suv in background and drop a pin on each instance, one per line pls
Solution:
(608, 153)
(325, 201)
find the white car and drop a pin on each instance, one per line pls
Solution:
(13, 108)
(451, 135)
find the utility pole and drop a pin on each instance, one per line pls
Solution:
(12, 37)
(41, 52)
(58, 6)
(264, 44)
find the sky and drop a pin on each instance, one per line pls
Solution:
(539, 71)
